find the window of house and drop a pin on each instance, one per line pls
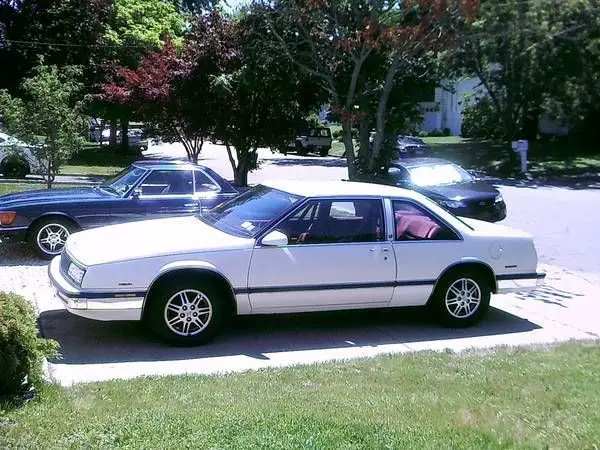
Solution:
(413, 223)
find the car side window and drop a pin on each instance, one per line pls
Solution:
(333, 221)
(415, 224)
(168, 182)
(204, 183)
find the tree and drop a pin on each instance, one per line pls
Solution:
(135, 29)
(63, 32)
(163, 92)
(49, 116)
(258, 101)
(355, 47)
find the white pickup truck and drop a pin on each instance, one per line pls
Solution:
(315, 139)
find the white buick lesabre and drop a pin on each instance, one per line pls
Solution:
(292, 247)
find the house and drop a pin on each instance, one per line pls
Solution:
(452, 96)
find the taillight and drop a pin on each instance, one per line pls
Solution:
(7, 217)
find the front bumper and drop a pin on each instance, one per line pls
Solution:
(491, 213)
(519, 282)
(93, 304)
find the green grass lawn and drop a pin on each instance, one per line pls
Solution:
(95, 159)
(9, 188)
(544, 398)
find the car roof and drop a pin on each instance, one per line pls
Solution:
(166, 164)
(320, 188)
(416, 162)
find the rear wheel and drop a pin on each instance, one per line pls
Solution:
(300, 149)
(461, 299)
(48, 237)
(324, 152)
(187, 311)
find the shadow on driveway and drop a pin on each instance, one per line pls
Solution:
(89, 342)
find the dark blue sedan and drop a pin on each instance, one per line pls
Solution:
(448, 184)
(146, 189)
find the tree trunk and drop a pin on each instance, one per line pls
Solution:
(112, 140)
(349, 149)
(124, 135)
(240, 173)
(382, 110)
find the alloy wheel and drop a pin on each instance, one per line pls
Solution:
(51, 238)
(463, 298)
(188, 312)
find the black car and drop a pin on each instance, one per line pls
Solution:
(404, 146)
(448, 184)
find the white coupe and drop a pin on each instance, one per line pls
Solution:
(287, 247)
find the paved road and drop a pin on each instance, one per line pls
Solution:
(565, 222)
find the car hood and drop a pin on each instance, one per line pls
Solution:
(468, 191)
(42, 196)
(150, 238)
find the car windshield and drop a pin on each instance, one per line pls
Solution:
(124, 180)
(251, 212)
(434, 175)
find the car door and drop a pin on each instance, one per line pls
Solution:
(424, 246)
(162, 193)
(337, 257)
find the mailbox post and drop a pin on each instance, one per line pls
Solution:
(521, 147)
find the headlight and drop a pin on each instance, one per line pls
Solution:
(452, 204)
(499, 198)
(76, 273)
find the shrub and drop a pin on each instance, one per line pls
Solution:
(480, 121)
(337, 134)
(22, 351)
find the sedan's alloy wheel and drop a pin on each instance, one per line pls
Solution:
(463, 298)
(188, 312)
(51, 238)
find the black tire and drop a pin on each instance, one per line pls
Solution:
(167, 298)
(324, 152)
(452, 304)
(300, 149)
(15, 168)
(55, 224)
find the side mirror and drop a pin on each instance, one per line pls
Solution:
(137, 192)
(275, 239)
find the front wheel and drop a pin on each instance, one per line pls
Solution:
(15, 168)
(461, 299)
(48, 237)
(187, 312)
(324, 152)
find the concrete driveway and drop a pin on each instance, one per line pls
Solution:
(566, 308)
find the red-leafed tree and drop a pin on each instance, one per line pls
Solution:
(359, 50)
(168, 91)
(222, 83)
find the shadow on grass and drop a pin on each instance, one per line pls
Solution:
(551, 164)
(87, 342)
(102, 155)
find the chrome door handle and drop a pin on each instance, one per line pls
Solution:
(384, 250)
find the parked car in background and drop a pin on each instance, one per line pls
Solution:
(136, 138)
(17, 158)
(448, 184)
(296, 246)
(315, 139)
(146, 189)
(405, 146)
